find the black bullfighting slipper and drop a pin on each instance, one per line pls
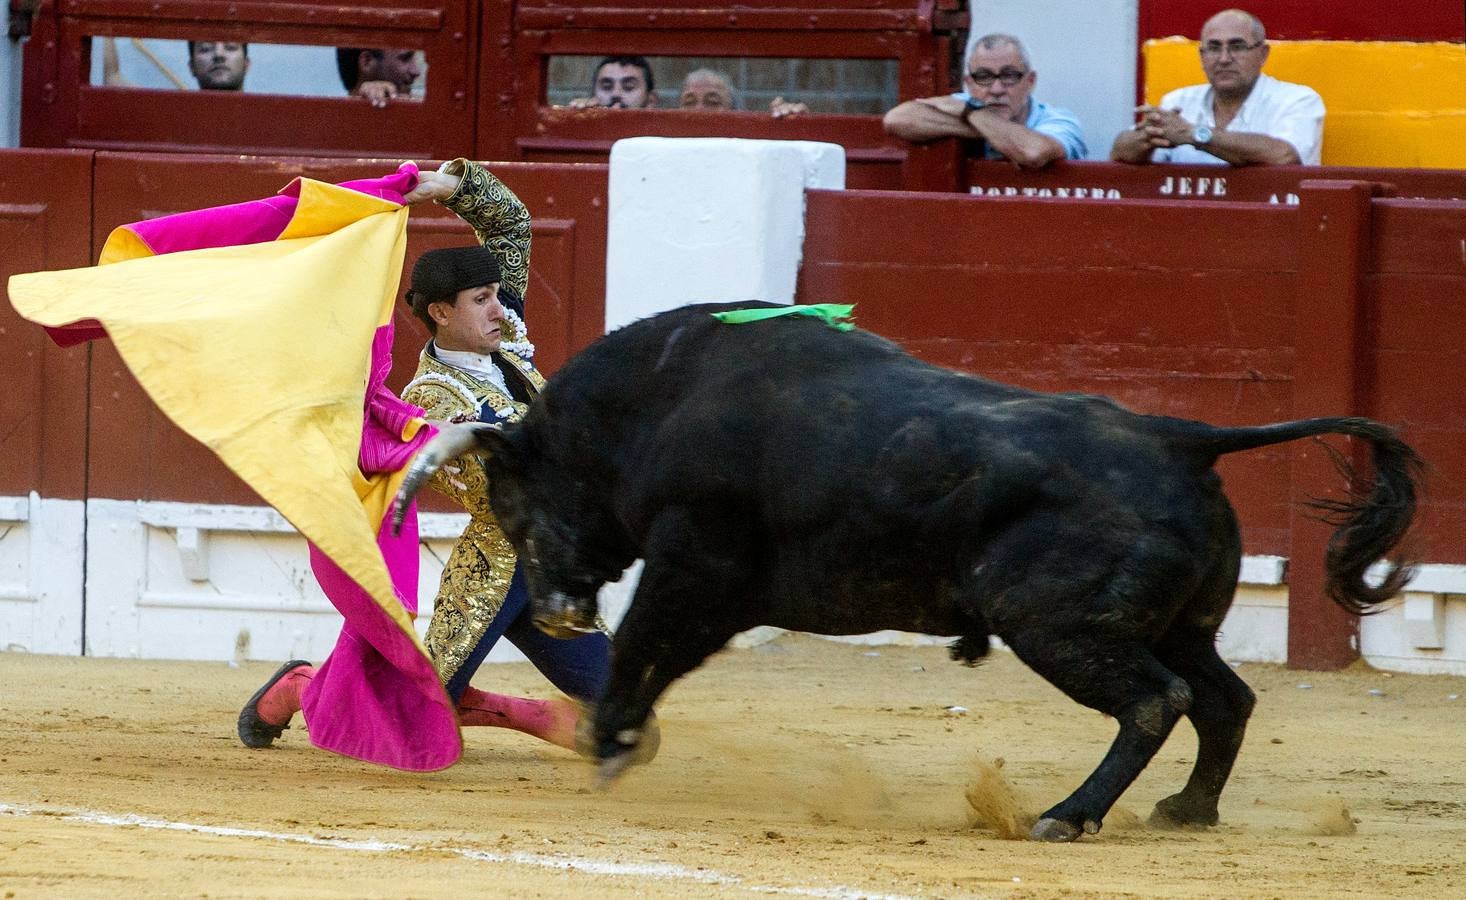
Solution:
(254, 731)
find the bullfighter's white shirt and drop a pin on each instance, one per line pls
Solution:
(1280, 109)
(479, 365)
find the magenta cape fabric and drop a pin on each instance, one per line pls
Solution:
(377, 697)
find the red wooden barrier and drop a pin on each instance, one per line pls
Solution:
(1333, 364)
(45, 219)
(1233, 312)
(1414, 302)
(489, 59)
(917, 35)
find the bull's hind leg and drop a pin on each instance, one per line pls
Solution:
(1122, 680)
(1221, 704)
(1221, 701)
(686, 606)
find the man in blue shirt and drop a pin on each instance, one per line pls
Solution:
(996, 108)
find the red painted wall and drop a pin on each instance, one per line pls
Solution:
(45, 219)
(1340, 20)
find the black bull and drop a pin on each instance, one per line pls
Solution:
(786, 473)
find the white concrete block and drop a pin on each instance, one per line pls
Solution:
(258, 599)
(1263, 570)
(696, 220)
(193, 553)
(1256, 627)
(41, 560)
(1424, 620)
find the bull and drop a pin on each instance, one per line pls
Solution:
(786, 473)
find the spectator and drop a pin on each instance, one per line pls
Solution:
(218, 65)
(997, 108)
(620, 82)
(712, 90)
(1240, 116)
(379, 75)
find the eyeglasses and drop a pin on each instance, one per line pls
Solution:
(1235, 47)
(986, 77)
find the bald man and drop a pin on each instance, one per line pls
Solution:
(1239, 117)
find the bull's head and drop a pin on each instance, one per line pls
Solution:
(560, 535)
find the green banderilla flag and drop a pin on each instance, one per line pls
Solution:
(833, 314)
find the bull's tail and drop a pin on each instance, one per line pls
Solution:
(1368, 525)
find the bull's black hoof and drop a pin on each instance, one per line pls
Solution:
(254, 731)
(632, 747)
(648, 743)
(1054, 831)
(1175, 814)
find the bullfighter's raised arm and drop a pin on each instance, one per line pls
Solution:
(498, 218)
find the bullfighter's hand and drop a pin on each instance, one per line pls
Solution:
(450, 472)
(432, 186)
(584, 103)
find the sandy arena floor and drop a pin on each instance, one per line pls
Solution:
(801, 767)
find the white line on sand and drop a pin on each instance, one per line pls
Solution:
(567, 863)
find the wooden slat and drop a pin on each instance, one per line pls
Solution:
(1055, 235)
(1340, 20)
(1419, 236)
(736, 19)
(45, 219)
(377, 15)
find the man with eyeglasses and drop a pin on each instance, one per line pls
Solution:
(1239, 117)
(995, 107)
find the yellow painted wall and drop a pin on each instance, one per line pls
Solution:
(1389, 103)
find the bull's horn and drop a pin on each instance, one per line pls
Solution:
(451, 442)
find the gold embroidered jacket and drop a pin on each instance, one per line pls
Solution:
(477, 575)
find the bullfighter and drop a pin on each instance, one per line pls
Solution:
(477, 366)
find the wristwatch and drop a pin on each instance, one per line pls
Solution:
(1201, 134)
(972, 105)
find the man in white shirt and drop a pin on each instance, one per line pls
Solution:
(1240, 117)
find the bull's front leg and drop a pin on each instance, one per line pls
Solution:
(690, 601)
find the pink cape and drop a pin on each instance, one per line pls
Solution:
(377, 697)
